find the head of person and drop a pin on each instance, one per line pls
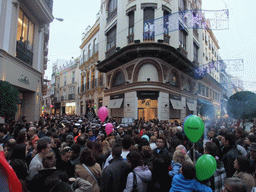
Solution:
(43, 147)
(116, 150)
(188, 170)
(233, 184)
(134, 159)
(253, 151)
(49, 160)
(3, 132)
(75, 150)
(87, 157)
(56, 143)
(146, 151)
(181, 148)
(31, 131)
(19, 152)
(66, 153)
(22, 136)
(20, 168)
(211, 148)
(160, 142)
(81, 140)
(242, 164)
(69, 140)
(179, 156)
(127, 142)
(229, 140)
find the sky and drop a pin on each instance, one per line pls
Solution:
(238, 42)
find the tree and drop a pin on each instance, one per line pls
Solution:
(242, 105)
(9, 97)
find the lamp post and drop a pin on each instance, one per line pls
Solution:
(59, 19)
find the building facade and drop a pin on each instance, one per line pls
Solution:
(91, 84)
(24, 29)
(66, 87)
(150, 75)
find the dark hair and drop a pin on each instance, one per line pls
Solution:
(3, 130)
(42, 144)
(143, 142)
(76, 148)
(57, 141)
(62, 187)
(19, 167)
(252, 138)
(127, 142)
(19, 152)
(21, 137)
(49, 160)
(244, 163)
(87, 157)
(135, 159)
(188, 170)
(212, 148)
(116, 150)
(97, 149)
(231, 138)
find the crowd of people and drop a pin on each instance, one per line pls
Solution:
(72, 153)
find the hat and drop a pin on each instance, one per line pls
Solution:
(77, 124)
(146, 137)
(253, 147)
(79, 121)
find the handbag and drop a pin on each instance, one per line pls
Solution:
(134, 187)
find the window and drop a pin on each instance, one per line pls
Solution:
(111, 38)
(73, 77)
(149, 31)
(95, 46)
(203, 90)
(112, 9)
(25, 31)
(65, 81)
(207, 92)
(182, 38)
(119, 79)
(199, 89)
(173, 80)
(112, 6)
(166, 21)
(182, 5)
(195, 50)
(89, 51)
(131, 23)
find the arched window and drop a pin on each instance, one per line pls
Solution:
(119, 79)
(173, 79)
(148, 72)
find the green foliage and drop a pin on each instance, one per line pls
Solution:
(9, 96)
(242, 105)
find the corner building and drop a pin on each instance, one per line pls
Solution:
(147, 74)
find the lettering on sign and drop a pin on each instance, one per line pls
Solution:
(24, 79)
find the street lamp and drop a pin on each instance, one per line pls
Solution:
(59, 19)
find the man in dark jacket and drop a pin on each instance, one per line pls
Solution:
(114, 176)
(229, 153)
(160, 176)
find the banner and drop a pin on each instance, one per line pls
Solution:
(187, 19)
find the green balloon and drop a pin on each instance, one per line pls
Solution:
(205, 167)
(194, 128)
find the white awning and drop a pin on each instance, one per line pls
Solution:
(191, 106)
(115, 103)
(176, 104)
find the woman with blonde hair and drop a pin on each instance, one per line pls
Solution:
(178, 159)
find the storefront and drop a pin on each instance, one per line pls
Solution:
(205, 109)
(191, 107)
(147, 105)
(176, 105)
(116, 106)
(70, 108)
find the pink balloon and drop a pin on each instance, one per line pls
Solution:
(109, 128)
(102, 113)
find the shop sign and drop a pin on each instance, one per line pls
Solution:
(148, 94)
(24, 79)
(176, 97)
(117, 96)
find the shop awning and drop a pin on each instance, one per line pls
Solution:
(176, 104)
(191, 106)
(115, 103)
(202, 101)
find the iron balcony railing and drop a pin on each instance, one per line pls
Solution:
(23, 53)
(91, 85)
(71, 97)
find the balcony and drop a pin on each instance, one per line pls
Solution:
(91, 57)
(62, 98)
(110, 52)
(92, 85)
(71, 97)
(166, 38)
(23, 53)
(130, 38)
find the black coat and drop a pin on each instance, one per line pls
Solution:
(66, 166)
(114, 176)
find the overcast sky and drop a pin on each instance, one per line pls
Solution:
(238, 42)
